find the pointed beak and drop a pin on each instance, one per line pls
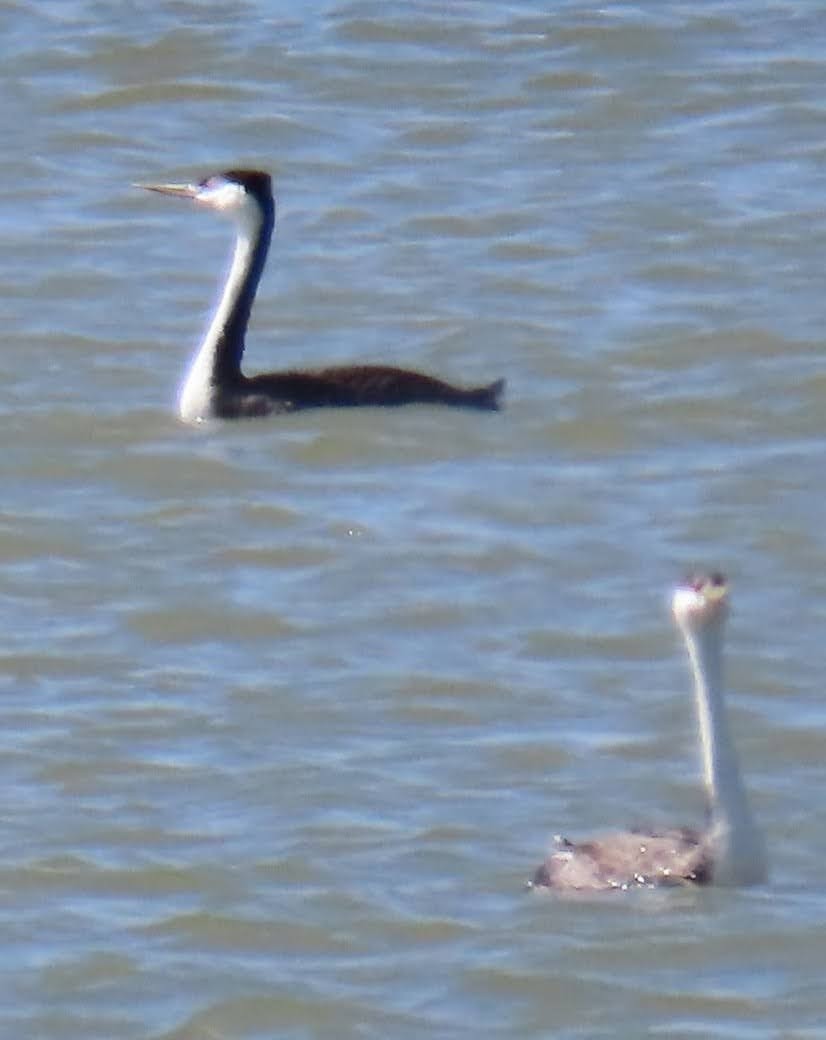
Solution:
(183, 191)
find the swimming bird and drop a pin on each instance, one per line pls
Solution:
(216, 387)
(730, 850)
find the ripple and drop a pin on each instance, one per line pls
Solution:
(292, 709)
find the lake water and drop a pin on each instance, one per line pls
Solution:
(291, 709)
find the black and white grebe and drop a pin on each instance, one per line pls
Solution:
(730, 850)
(216, 387)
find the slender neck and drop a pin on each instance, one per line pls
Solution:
(225, 338)
(739, 853)
(218, 361)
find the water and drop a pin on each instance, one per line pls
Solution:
(291, 710)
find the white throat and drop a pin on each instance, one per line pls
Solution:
(737, 847)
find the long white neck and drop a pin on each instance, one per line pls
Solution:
(217, 365)
(195, 400)
(737, 846)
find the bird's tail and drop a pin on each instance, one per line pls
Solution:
(487, 397)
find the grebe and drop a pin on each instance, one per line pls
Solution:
(730, 850)
(215, 386)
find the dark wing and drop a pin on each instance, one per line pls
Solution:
(365, 385)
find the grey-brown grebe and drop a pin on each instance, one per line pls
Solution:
(730, 850)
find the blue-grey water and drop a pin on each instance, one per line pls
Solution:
(290, 710)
